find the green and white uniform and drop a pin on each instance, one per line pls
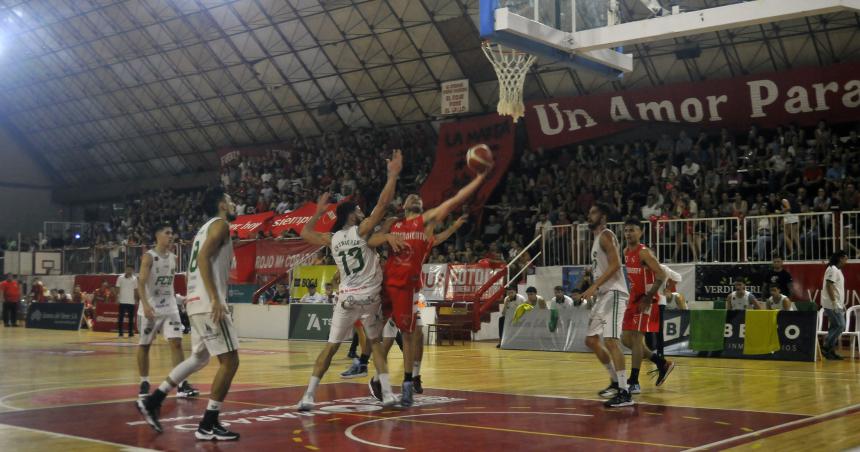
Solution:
(358, 296)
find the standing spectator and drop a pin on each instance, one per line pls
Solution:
(11, 293)
(833, 302)
(779, 276)
(509, 305)
(126, 286)
(312, 296)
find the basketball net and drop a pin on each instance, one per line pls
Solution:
(511, 68)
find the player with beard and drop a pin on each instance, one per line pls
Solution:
(606, 318)
(403, 269)
(212, 330)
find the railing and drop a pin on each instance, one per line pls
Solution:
(107, 259)
(698, 240)
(805, 236)
(849, 223)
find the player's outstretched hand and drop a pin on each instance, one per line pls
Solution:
(322, 202)
(486, 170)
(396, 243)
(462, 220)
(395, 163)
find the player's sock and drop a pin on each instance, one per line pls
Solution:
(611, 370)
(657, 359)
(155, 399)
(210, 416)
(144, 379)
(407, 376)
(634, 375)
(312, 385)
(166, 387)
(621, 376)
(385, 382)
(363, 359)
(416, 368)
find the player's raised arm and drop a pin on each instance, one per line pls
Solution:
(385, 197)
(438, 213)
(447, 233)
(308, 233)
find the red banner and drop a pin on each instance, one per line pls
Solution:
(465, 280)
(276, 257)
(450, 173)
(809, 280)
(801, 96)
(297, 219)
(242, 267)
(247, 226)
(231, 155)
(107, 316)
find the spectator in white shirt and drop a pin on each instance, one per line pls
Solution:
(543, 225)
(126, 286)
(651, 208)
(509, 305)
(669, 170)
(534, 299)
(690, 168)
(778, 301)
(833, 302)
(560, 300)
(312, 296)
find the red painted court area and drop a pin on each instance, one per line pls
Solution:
(347, 419)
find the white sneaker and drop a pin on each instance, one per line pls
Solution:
(390, 401)
(307, 403)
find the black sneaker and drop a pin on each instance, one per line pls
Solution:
(375, 388)
(186, 390)
(217, 432)
(623, 398)
(416, 385)
(149, 414)
(664, 371)
(144, 390)
(610, 391)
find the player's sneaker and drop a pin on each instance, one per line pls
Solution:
(390, 401)
(634, 388)
(144, 390)
(217, 432)
(663, 372)
(375, 388)
(356, 370)
(416, 385)
(406, 390)
(610, 391)
(186, 390)
(307, 402)
(623, 398)
(150, 414)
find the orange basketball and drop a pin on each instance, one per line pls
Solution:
(479, 157)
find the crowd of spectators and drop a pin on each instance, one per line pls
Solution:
(679, 176)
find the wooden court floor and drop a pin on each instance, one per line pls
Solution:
(74, 391)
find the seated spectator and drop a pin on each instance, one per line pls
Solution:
(534, 299)
(312, 296)
(674, 300)
(281, 295)
(37, 291)
(560, 300)
(77, 295)
(330, 294)
(741, 299)
(63, 297)
(509, 305)
(103, 294)
(779, 301)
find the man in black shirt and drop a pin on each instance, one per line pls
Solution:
(778, 276)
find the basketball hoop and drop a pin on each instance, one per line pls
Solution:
(511, 68)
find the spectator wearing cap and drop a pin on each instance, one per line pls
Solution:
(312, 296)
(534, 299)
(509, 305)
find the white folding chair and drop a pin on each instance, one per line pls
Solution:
(853, 333)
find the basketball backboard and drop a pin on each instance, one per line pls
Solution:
(588, 34)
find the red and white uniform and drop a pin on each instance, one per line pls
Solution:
(403, 271)
(641, 278)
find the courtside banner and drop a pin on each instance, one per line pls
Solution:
(465, 280)
(796, 332)
(306, 274)
(800, 96)
(716, 282)
(242, 266)
(240, 293)
(434, 279)
(450, 173)
(247, 226)
(809, 280)
(55, 316)
(310, 321)
(276, 257)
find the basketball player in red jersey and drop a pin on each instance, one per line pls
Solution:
(642, 315)
(403, 269)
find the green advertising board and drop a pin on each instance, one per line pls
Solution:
(310, 321)
(240, 293)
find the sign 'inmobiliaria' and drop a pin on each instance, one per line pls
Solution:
(801, 96)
